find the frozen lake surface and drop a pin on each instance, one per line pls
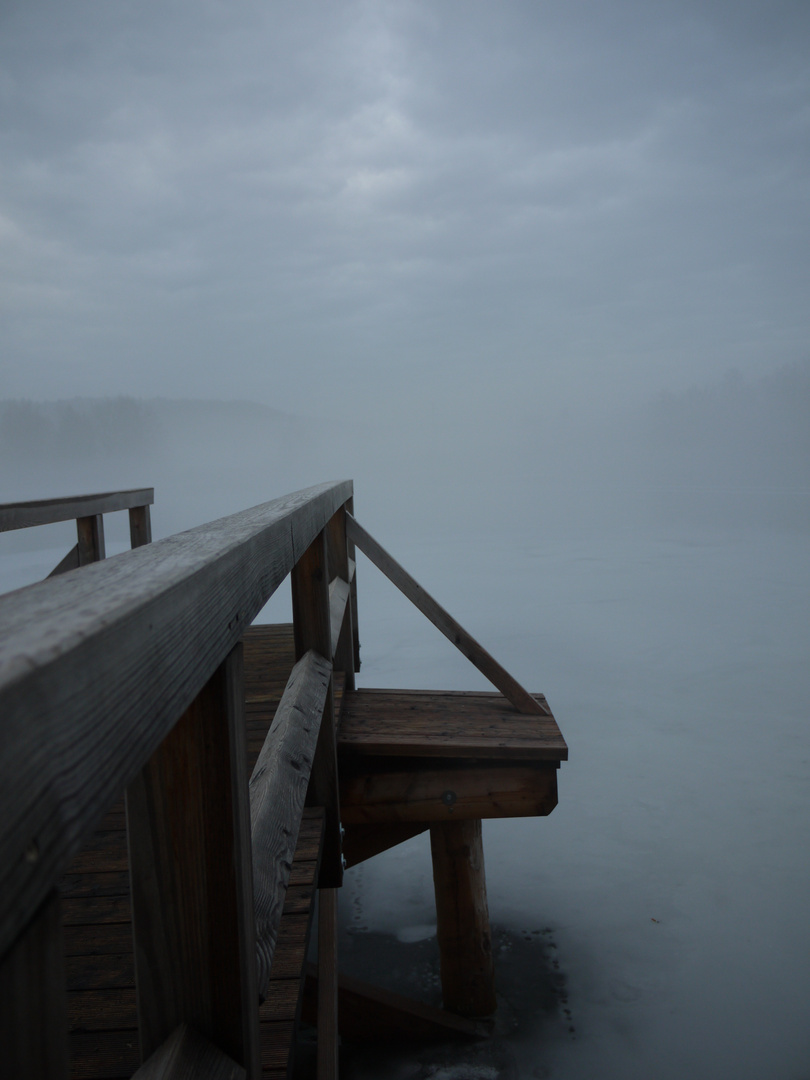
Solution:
(656, 924)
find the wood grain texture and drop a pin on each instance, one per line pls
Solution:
(23, 515)
(312, 630)
(278, 789)
(186, 1055)
(188, 824)
(437, 723)
(431, 793)
(465, 942)
(33, 1016)
(327, 985)
(96, 667)
(442, 619)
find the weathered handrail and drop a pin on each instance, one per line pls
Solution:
(88, 511)
(96, 668)
(23, 515)
(278, 788)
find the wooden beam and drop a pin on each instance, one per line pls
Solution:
(278, 790)
(431, 793)
(70, 562)
(339, 594)
(188, 831)
(312, 630)
(23, 515)
(352, 554)
(370, 1014)
(327, 985)
(186, 1055)
(465, 943)
(140, 526)
(91, 539)
(95, 669)
(33, 1017)
(361, 842)
(341, 567)
(441, 619)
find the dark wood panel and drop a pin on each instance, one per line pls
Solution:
(188, 821)
(429, 793)
(33, 1015)
(103, 1055)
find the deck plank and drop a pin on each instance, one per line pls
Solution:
(430, 723)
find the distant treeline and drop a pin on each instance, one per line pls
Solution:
(86, 428)
(732, 432)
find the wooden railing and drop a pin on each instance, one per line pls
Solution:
(127, 676)
(88, 512)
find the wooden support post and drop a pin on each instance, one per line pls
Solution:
(348, 508)
(312, 630)
(33, 1017)
(338, 558)
(327, 985)
(465, 943)
(188, 829)
(91, 539)
(140, 526)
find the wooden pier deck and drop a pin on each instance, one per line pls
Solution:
(170, 939)
(401, 752)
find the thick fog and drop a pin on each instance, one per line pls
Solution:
(535, 277)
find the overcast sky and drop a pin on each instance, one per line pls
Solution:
(315, 203)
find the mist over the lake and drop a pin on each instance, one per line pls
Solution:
(535, 277)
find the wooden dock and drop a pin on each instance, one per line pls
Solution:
(334, 774)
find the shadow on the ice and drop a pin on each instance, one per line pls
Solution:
(533, 1007)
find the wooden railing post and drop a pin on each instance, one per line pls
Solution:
(338, 557)
(91, 539)
(33, 1016)
(140, 526)
(465, 943)
(348, 508)
(188, 824)
(312, 630)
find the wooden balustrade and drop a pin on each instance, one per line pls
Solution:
(88, 512)
(128, 675)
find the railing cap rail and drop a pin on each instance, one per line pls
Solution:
(97, 666)
(24, 515)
